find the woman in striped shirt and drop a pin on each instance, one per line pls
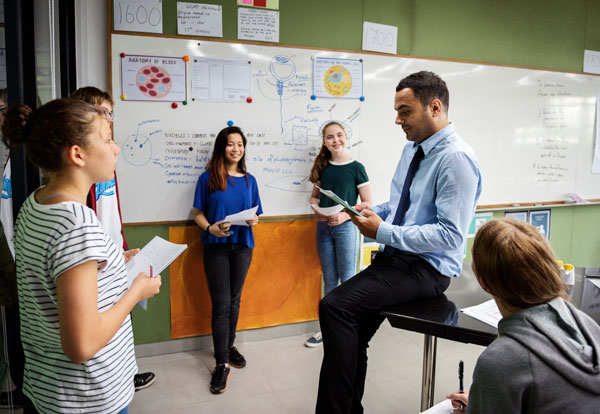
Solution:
(73, 291)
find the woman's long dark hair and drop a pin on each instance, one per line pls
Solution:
(216, 165)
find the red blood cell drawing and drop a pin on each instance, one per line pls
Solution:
(154, 81)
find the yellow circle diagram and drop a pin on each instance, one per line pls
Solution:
(338, 81)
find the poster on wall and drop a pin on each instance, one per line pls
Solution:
(257, 24)
(518, 215)
(540, 219)
(265, 4)
(221, 80)
(478, 220)
(196, 19)
(380, 37)
(138, 15)
(337, 78)
(153, 78)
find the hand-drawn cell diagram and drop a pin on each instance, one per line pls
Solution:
(137, 148)
(153, 81)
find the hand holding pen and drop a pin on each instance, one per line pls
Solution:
(146, 285)
(460, 398)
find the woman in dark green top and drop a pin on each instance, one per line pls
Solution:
(337, 237)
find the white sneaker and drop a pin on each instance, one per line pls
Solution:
(314, 341)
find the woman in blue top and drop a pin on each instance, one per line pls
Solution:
(337, 237)
(226, 188)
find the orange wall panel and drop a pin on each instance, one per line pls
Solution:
(283, 284)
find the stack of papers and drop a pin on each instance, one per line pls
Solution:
(327, 211)
(444, 407)
(239, 219)
(158, 253)
(487, 312)
(593, 275)
(338, 200)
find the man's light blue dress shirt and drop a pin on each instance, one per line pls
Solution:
(443, 196)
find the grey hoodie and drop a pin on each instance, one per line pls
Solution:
(545, 360)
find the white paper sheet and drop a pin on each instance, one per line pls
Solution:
(596, 159)
(380, 37)
(138, 15)
(196, 19)
(221, 80)
(159, 253)
(486, 312)
(333, 196)
(327, 211)
(596, 282)
(239, 219)
(444, 407)
(256, 24)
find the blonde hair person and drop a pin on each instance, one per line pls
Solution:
(337, 237)
(547, 355)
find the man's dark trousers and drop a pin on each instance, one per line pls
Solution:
(350, 315)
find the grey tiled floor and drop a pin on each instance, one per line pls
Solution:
(282, 377)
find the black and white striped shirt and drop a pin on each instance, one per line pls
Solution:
(49, 240)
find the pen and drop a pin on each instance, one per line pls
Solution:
(461, 374)
(152, 274)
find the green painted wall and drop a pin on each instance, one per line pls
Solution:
(549, 34)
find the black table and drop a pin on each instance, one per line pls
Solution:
(441, 318)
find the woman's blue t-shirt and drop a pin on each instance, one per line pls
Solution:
(238, 196)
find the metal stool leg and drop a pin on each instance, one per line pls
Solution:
(428, 383)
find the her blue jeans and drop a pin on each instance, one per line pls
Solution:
(338, 252)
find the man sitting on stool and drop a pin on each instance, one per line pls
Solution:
(433, 197)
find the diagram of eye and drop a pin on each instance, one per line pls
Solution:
(280, 83)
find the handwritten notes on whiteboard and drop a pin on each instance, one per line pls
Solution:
(199, 19)
(556, 152)
(591, 61)
(138, 15)
(257, 24)
(380, 38)
(225, 80)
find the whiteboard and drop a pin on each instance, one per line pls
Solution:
(532, 130)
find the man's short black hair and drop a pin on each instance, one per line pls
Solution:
(426, 86)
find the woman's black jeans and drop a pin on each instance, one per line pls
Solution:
(226, 266)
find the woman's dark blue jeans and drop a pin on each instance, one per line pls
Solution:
(226, 266)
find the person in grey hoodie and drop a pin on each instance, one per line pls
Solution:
(547, 355)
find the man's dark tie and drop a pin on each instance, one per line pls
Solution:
(405, 196)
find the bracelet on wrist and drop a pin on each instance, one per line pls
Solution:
(208, 227)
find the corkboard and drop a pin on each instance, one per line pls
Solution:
(283, 284)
